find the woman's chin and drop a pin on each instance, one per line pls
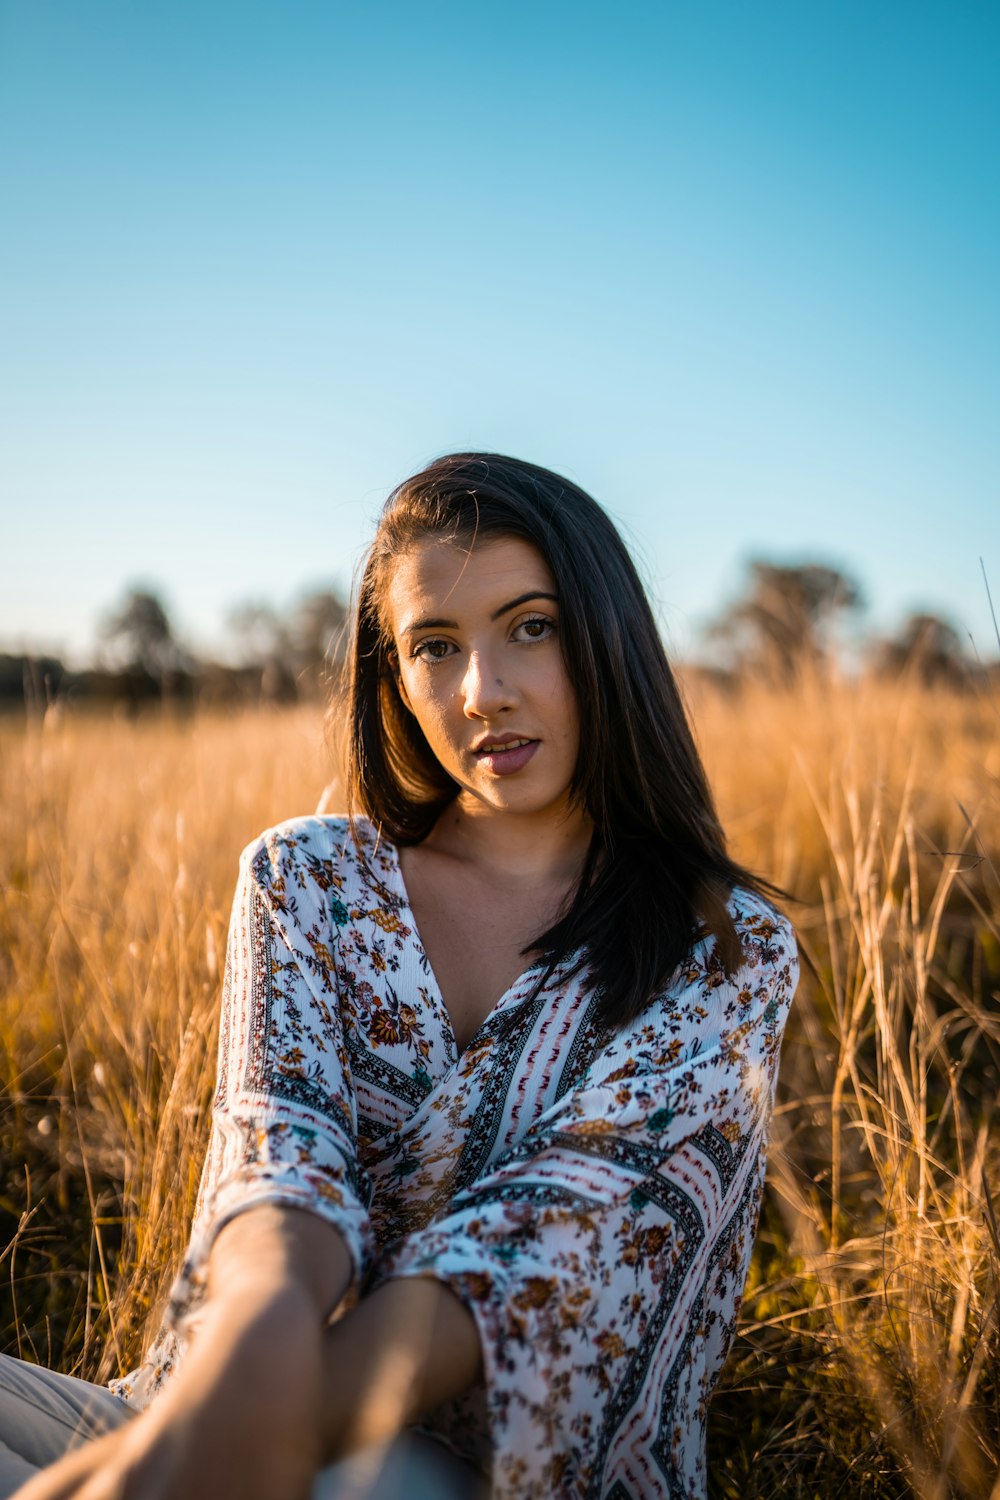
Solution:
(506, 796)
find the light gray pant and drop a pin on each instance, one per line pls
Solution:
(43, 1415)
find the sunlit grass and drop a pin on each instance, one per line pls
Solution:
(868, 1353)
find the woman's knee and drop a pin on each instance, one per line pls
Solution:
(43, 1414)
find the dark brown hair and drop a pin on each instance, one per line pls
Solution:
(657, 873)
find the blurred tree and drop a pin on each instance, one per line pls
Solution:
(929, 646)
(35, 681)
(292, 653)
(316, 628)
(141, 636)
(143, 644)
(264, 650)
(259, 633)
(786, 616)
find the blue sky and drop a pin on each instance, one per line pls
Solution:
(732, 268)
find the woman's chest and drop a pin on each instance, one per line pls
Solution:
(476, 936)
(475, 955)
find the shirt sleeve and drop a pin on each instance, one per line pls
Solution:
(284, 1118)
(603, 1256)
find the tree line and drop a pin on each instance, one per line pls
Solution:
(276, 657)
(787, 618)
(791, 618)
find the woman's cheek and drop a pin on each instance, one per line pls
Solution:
(433, 720)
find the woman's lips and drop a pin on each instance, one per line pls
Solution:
(506, 762)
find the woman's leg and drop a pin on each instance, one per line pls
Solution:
(43, 1415)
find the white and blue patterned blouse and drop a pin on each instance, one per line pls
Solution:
(590, 1196)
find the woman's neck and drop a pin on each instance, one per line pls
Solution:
(539, 849)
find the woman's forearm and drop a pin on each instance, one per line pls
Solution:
(249, 1392)
(406, 1347)
(242, 1417)
(274, 1277)
(268, 1392)
(265, 1346)
(254, 1366)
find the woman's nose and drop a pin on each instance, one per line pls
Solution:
(485, 691)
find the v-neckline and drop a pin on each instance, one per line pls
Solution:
(435, 984)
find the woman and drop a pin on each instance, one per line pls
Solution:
(496, 1060)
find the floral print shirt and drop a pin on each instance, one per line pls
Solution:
(591, 1196)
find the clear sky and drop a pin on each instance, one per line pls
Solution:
(733, 268)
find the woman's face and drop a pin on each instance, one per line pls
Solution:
(476, 632)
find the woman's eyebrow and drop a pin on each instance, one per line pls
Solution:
(429, 624)
(505, 609)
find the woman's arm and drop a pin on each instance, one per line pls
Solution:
(402, 1350)
(250, 1391)
(244, 1412)
(406, 1347)
(269, 1392)
(318, 1390)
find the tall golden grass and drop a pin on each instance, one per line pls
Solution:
(868, 1356)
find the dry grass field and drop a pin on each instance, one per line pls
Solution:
(868, 1358)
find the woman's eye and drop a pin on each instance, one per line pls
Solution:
(432, 650)
(538, 628)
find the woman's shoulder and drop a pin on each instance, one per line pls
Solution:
(339, 845)
(755, 917)
(768, 951)
(765, 936)
(762, 971)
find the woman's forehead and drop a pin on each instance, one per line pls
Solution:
(453, 577)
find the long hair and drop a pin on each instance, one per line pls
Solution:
(657, 874)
